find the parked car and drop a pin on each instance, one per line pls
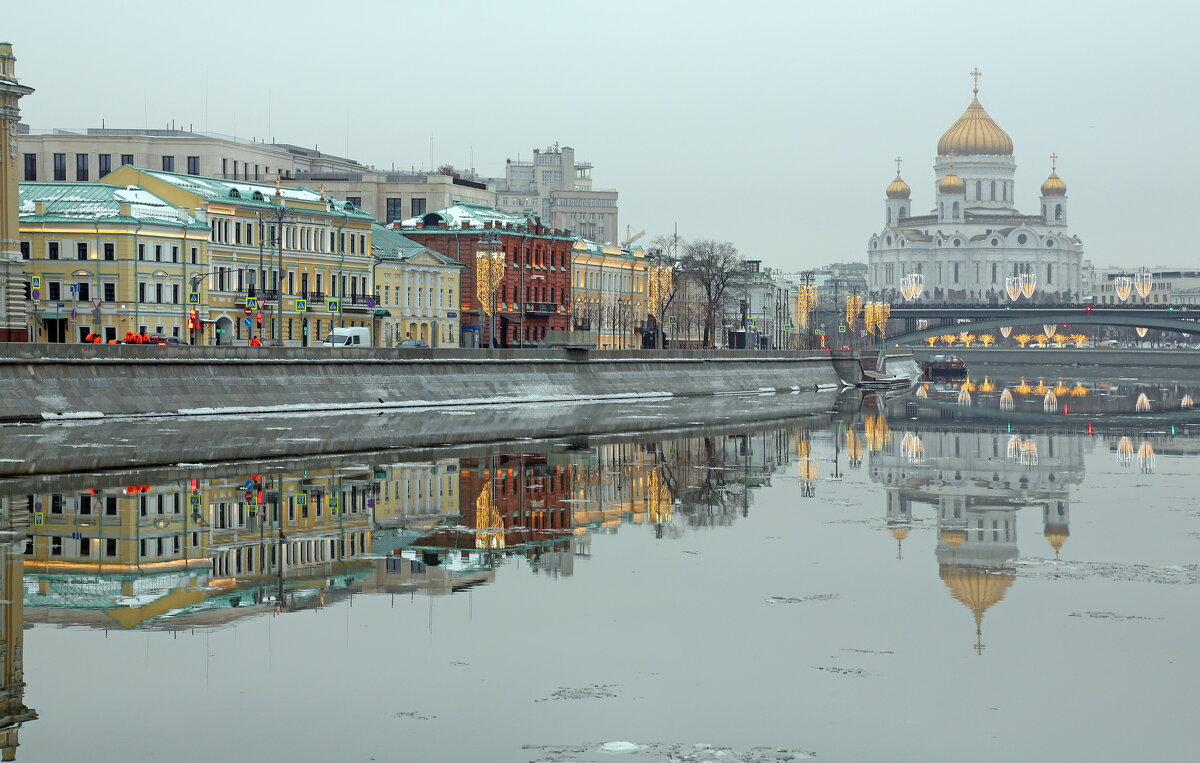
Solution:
(412, 343)
(166, 341)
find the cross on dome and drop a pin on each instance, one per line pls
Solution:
(975, 75)
(1053, 162)
(899, 161)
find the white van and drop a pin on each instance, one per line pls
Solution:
(348, 337)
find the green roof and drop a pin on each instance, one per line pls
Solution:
(391, 244)
(250, 193)
(99, 203)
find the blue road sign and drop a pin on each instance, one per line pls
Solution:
(302, 305)
(248, 485)
(248, 321)
(76, 536)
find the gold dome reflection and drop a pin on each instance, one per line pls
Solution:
(979, 589)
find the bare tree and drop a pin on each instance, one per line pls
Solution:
(449, 169)
(713, 267)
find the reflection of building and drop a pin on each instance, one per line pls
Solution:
(13, 712)
(977, 481)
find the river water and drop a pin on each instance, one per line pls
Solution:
(937, 577)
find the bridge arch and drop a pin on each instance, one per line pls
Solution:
(1035, 317)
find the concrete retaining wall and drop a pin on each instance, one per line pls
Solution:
(47, 382)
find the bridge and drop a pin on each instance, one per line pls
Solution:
(975, 318)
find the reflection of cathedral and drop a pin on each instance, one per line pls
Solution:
(977, 482)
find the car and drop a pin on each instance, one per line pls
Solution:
(166, 341)
(411, 343)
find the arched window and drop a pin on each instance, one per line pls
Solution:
(978, 190)
(1049, 272)
(1043, 211)
(903, 211)
(941, 209)
(889, 217)
(993, 190)
(993, 272)
(956, 210)
(1058, 211)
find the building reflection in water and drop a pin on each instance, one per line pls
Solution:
(13, 711)
(977, 482)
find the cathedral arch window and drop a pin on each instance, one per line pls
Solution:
(993, 272)
(889, 222)
(1058, 211)
(958, 242)
(956, 272)
(993, 190)
(903, 211)
(995, 242)
(889, 240)
(956, 210)
(1049, 243)
(1021, 239)
(1049, 272)
(978, 190)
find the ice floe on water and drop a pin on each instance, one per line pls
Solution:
(681, 752)
(1135, 573)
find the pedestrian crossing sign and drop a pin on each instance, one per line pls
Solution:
(302, 305)
(193, 298)
(252, 303)
(333, 305)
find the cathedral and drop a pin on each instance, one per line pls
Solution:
(974, 245)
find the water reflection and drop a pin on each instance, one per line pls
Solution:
(185, 551)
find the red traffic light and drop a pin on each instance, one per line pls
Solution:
(258, 318)
(1087, 309)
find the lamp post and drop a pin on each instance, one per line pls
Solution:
(489, 272)
(279, 215)
(806, 300)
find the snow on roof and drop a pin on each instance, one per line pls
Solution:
(99, 201)
(473, 214)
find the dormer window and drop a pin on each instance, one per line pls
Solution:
(235, 193)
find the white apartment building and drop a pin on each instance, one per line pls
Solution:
(557, 188)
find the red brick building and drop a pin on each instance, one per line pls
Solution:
(534, 296)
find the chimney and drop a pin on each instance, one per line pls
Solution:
(442, 225)
(125, 209)
(39, 207)
(466, 224)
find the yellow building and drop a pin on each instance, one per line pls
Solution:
(107, 259)
(417, 493)
(418, 290)
(608, 293)
(12, 322)
(304, 259)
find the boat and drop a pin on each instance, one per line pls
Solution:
(874, 380)
(943, 367)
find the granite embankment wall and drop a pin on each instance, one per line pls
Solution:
(47, 382)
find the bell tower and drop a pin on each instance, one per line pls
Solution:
(12, 295)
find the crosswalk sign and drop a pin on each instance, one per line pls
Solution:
(673, 319)
(252, 303)
(302, 499)
(35, 282)
(193, 298)
(333, 504)
(302, 305)
(333, 305)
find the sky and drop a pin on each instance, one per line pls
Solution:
(772, 125)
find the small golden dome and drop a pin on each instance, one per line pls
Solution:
(951, 183)
(898, 189)
(975, 134)
(1057, 535)
(899, 533)
(978, 588)
(1054, 186)
(952, 538)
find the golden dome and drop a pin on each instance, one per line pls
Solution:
(898, 189)
(951, 183)
(977, 588)
(899, 533)
(975, 134)
(1057, 535)
(952, 538)
(1054, 186)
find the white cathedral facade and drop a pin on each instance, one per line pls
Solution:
(974, 238)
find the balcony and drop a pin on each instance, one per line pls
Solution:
(360, 301)
(266, 295)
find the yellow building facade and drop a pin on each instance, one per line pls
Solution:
(418, 290)
(106, 259)
(608, 293)
(299, 262)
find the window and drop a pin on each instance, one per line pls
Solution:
(993, 190)
(158, 252)
(52, 250)
(25, 250)
(1058, 211)
(60, 166)
(174, 254)
(394, 210)
(418, 207)
(83, 292)
(193, 165)
(81, 167)
(126, 159)
(355, 200)
(81, 251)
(168, 164)
(105, 164)
(31, 167)
(195, 255)
(110, 292)
(110, 546)
(55, 545)
(141, 251)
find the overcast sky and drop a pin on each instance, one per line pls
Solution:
(772, 125)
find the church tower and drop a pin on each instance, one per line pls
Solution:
(898, 199)
(12, 294)
(1054, 196)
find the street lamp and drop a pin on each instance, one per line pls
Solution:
(489, 272)
(280, 214)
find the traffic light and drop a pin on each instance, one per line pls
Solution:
(193, 320)
(258, 317)
(1087, 309)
